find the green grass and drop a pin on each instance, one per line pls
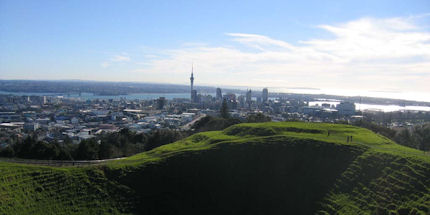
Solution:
(27, 189)
(257, 168)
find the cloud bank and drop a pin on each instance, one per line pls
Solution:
(369, 53)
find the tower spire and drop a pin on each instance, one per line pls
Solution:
(192, 81)
(192, 76)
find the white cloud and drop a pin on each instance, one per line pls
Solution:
(105, 64)
(116, 59)
(368, 53)
(120, 58)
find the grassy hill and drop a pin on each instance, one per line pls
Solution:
(264, 168)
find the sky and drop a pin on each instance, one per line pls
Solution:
(372, 48)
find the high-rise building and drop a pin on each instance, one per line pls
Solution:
(265, 95)
(241, 99)
(218, 94)
(248, 97)
(259, 100)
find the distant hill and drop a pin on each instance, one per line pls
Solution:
(95, 87)
(254, 168)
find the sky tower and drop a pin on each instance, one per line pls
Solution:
(193, 91)
(192, 77)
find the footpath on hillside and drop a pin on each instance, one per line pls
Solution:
(77, 163)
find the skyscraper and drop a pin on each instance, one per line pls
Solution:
(218, 94)
(265, 95)
(241, 99)
(248, 98)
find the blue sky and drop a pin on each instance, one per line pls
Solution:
(279, 44)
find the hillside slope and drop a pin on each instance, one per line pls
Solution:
(265, 168)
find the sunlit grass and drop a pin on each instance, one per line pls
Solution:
(384, 173)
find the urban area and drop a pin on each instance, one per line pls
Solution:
(54, 119)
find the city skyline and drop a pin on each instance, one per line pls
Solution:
(372, 49)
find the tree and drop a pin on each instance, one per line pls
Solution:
(105, 150)
(25, 148)
(44, 151)
(64, 154)
(88, 150)
(422, 136)
(224, 110)
(209, 123)
(406, 138)
(390, 133)
(7, 152)
(259, 117)
(162, 137)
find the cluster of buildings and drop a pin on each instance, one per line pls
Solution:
(327, 110)
(278, 108)
(55, 118)
(58, 119)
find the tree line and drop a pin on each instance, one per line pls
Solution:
(417, 136)
(110, 145)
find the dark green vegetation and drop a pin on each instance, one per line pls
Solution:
(386, 118)
(254, 168)
(112, 145)
(224, 110)
(209, 123)
(417, 137)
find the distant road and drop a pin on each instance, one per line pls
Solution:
(58, 162)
